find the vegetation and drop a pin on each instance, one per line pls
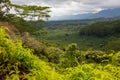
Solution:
(4, 8)
(71, 57)
(113, 45)
(17, 62)
(31, 12)
(23, 11)
(97, 36)
(26, 51)
(102, 29)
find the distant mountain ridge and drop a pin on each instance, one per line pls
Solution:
(108, 13)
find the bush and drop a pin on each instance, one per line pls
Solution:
(116, 59)
(81, 72)
(71, 57)
(32, 43)
(93, 72)
(97, 56)
(53, 54)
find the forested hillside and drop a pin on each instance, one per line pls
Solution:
(19, 62)
(68, 52)
(100, 35)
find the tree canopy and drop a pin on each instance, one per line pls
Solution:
(27, 12)
(4, 8)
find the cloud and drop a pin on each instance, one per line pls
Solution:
(72, 7)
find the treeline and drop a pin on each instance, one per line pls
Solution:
(101, 29)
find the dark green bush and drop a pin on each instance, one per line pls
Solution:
(53, 54)
(97, 56)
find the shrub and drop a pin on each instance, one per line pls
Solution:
(116, 59)
(71, 57)
(81, 72)
(93, 72)
(97, 56)
(32, 43)
(53, 54)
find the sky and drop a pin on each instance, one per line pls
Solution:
(72, 7)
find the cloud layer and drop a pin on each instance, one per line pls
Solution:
(72, 7)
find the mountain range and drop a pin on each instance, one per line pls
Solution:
(107, 13)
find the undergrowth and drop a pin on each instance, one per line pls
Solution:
(19, 63)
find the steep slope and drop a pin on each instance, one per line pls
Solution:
(19, 63)
(10, 29)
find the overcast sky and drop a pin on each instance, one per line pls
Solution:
(72, 7)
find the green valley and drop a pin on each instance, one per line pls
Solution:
(32, 48)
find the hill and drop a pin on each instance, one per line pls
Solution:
(109, 13)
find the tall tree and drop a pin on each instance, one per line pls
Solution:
(29, 12)
(32, 12)
(4, 8)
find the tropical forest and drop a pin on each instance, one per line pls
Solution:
(59, 40)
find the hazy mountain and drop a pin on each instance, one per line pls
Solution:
(72, 17)
(109, 13)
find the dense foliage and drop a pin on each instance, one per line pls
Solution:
(18, 62)
(25, 12)
(113, 45)
(71, 57)
(4, 8)
(102, 29)
(24, 57)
